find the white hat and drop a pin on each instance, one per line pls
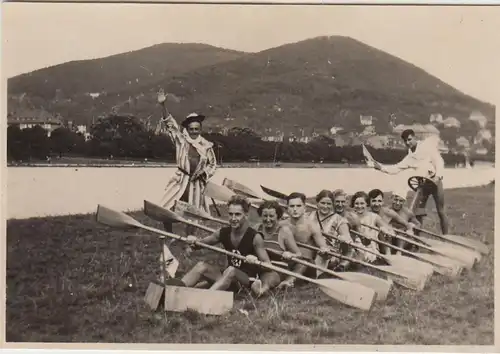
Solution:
(400, 192)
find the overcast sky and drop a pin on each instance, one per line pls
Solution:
(460, 45)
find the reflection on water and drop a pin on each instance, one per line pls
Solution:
(55, 191)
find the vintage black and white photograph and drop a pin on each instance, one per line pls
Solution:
(250, 174)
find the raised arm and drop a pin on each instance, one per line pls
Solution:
(404, 164)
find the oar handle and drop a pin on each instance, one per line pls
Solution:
(330, 236)
(217, 249)
(303, 262)
(341, 256)
(424, 246)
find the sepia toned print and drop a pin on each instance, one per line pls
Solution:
(279, 175)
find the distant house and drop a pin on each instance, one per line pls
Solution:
(366, 120)
(29, 118)
(463, 142)
(451, 122)
(436, 118)
(421, 131)
(481, 151)
(478, 117)
(483, 134)
(335, 130)
(369, 130)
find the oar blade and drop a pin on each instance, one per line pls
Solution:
(273, 193)
(239, 188)
(466, 252)
(217, 192)
(407, 279)
(468, 242)
(410, 264)
(467, 260)
(113, 218)
(351, 294)
(442, 265)
(381, 286)
(159, 213)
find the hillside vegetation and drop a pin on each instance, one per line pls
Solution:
(320, 83)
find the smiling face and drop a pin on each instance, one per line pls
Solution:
(325, 206)
(194, 129)
(269, 218)
(296, 208)
(376, 203)
(360, 205)
(339, 203)
(237, 216)
(397, 202)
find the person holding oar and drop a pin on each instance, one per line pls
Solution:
(195, 158)
(376, 204)
(241, 239)
(330, 222)
(340, 205)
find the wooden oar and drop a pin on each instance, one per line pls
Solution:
(224, 194)
(405, 265)
(409, 279)
(352, 294)
(383, 286)
(239, 188)
(440, 264)
(404, 262)
(464, 259)
(455, 239)
(380, 286)
(460, 241)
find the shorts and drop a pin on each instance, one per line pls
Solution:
(428, 189)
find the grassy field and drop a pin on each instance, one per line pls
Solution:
(72, 280)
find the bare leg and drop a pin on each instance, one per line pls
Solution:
(267, 281)
(438, 196)
(201, 271)
(225, 281)
(290, 280)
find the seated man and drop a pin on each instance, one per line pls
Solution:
(390, 216)
(340, 207)
(298, 228)
(241, 239)
(398, 205)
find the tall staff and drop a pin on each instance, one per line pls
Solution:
(195, 158)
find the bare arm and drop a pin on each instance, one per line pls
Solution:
(344, 233)
(404, 164)
(317, 235)
(412, 217)
(287, 241)
(395, 216)
(260, 248)
(212, 239)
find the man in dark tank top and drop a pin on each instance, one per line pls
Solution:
(241, 239)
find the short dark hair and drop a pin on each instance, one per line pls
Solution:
(374, 193)
(271, 204)
(407, 133)
(296, 195)
(357, 195)
(239, 200)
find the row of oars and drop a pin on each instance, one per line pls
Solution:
(355, 289)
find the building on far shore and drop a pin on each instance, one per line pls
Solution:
(29, 118)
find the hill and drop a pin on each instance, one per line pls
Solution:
(317, 83)
(131, 70)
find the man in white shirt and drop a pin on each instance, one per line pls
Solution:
(425, 158)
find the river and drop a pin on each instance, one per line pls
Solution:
(37, 192)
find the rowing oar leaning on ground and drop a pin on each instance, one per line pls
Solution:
(352, 294)
(410, 280)
(407, 264)
(441, 264)
(381, 286)
(454, 239)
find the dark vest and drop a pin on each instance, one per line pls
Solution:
(244, 248)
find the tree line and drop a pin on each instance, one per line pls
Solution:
(126, 137)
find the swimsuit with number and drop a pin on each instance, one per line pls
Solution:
(245, 248)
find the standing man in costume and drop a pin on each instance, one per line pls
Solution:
(195, 158)
(424, 157)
